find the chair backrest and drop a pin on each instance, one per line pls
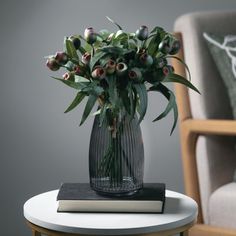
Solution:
(215, 156)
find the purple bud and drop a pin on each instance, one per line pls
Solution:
(52, 64)
(175, 47)
(61, 58)
(89, 35)
(142, 33)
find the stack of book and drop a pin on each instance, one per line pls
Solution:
(79, 197)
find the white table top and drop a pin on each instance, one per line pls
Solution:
(42, 211)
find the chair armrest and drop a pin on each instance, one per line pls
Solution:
(218, 127)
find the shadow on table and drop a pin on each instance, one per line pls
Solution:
(172, 205)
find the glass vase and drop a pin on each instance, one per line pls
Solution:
(116, 162)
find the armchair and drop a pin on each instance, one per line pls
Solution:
(206, 126)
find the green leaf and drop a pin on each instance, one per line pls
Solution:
(82, 50)
(168, 107)
(64, 43)
(96, 58)
(112, 91)
(185, 65)
(112, 21)
(133, 101)
(113, 50)
(171, 97)
(142, 96)
(102, 115)
(175, 110)
(157, 30)
(125, 100)
(70, 49)
(78, 99)
(96, 112)
(81, 79)
(72, 84)
(153, 44)
(87, 47)
(179, 79)
(104, 33)
(89, 106)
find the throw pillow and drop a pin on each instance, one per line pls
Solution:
(223, 51)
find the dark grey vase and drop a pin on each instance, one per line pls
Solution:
(116, 165)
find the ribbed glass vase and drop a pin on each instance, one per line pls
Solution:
(116, 164)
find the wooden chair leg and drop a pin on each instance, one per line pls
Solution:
(35, 233)
(185, 233)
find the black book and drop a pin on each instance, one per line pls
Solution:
(79, 197)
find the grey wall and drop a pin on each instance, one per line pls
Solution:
(42, 147)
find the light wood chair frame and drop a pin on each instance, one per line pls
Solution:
(190, 129)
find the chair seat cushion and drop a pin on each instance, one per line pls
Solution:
(222, 206)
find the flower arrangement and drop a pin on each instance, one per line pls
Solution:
(117, 70)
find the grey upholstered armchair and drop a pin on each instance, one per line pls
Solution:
(206, 125)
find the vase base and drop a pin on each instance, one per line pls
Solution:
(123, 189)
(122, 194)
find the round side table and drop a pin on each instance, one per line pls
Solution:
(41, 214)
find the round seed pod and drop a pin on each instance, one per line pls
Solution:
(61, 58)
(52, 64)
(98, 73)
(76, 42)
(78, 70)
(142, 33)
(146, 59)
(175, 47)
(110, 67)
(90, 35)
(135, 74)
(121, 68)
(164, 47)
(68, 76)
(86, 58)
(168, 69)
